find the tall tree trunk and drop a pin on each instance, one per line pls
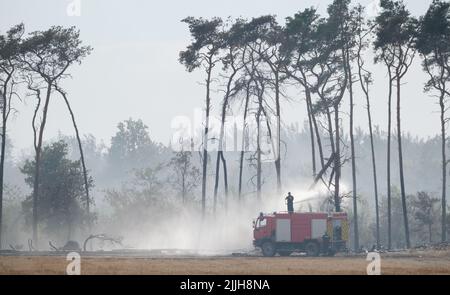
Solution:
(278, 151)
(258, 150)
(313, 126)
(430, 233)
(352, 144)
(312, 133)
(244, 128)
(205, 136)
(444, 169)
(313, 122)
(334, 155)
(337, 160)
(225, 179)
(365, 80)
(183, 188)
(2, 165)
(319, 140)
(83, 162)
(389, 139)
(69, 226)
(38, 150)
(313, 143)
(374, 166)
(269, 130)
(400, 160)
(220, 156)
(316, 128)
(216, 179)
(338, 168)
(5, 112)
(2, 158)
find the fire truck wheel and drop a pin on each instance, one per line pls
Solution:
(285, 253)
(312, 249)
(268, 249)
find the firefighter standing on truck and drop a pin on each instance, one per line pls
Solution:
(290, 203)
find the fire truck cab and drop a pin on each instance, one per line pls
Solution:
(311, 233)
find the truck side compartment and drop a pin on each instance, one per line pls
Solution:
(313, 233)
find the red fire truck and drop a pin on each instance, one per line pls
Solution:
(311, 233)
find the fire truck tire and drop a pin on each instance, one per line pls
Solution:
(284, 253)
(312, 249)
(268, 249)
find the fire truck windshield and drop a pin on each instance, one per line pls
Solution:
(260, 223)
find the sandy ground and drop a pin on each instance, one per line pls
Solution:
(415, 263)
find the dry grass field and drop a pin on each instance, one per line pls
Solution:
(410, 263)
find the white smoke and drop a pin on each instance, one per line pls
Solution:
(223, 232)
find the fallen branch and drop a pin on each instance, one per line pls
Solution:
(102, 237)
(52, 246)
(30, 245)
